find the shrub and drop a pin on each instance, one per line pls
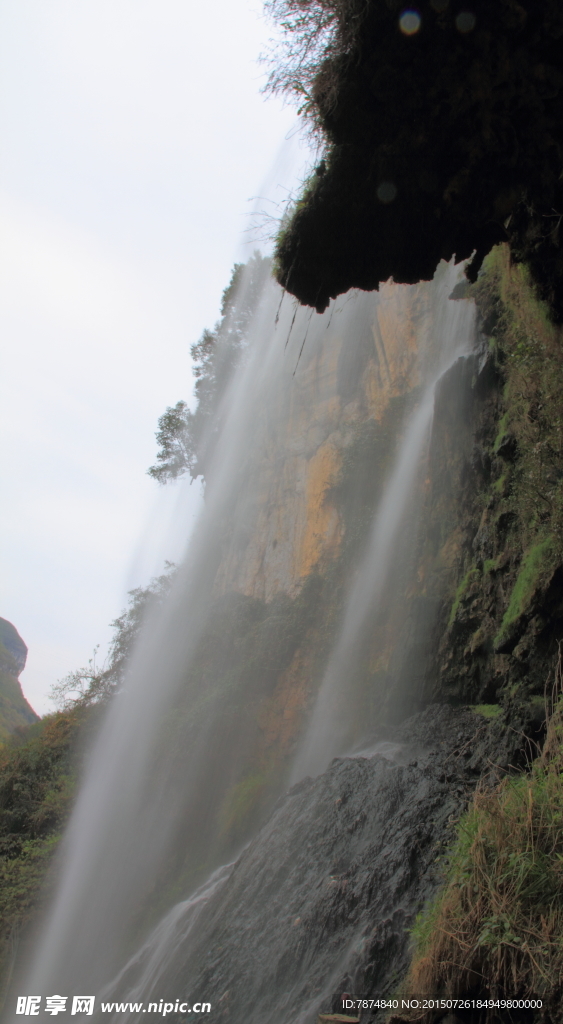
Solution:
(186, 439)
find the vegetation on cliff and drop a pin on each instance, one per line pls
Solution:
(496, 927)
(38, 772)
(529, 440)
(441, 134)
(506, 614)
(187, 438)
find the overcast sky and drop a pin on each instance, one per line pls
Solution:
(133, 137)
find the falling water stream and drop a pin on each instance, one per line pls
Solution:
(133, 798)
(329, 731)
(137, 980)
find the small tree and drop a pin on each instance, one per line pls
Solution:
(187, 439)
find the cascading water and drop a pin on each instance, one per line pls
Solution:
(140, 975)
(151, 810)
(330, 730)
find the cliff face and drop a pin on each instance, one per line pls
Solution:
(498, 637)
(451, 628)
(368, 356)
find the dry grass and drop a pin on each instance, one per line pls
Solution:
(497, 927)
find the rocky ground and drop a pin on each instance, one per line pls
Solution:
(322, 900)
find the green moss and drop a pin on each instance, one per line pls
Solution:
(486, 710)
(242, 801)
(491, 565)
(499, 485)
(502, 431)
(470, 575)
(535, 563)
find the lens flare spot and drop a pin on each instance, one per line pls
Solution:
(465, 21)
(410, 22)
(386, 192)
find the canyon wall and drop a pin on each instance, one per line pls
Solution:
(369, 355)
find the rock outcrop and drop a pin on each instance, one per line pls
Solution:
(14, 709)
(442, 137)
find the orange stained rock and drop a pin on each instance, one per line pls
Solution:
(400, 316)
(290, 527)
(322, 532)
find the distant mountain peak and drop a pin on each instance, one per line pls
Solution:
(12, 640)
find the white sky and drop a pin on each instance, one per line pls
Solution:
(132, 136)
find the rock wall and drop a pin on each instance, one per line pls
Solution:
(369, 354)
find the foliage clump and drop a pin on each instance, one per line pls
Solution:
(187, 438)
(486, 710)
(497, 925)
(38, 772)
(436, 142)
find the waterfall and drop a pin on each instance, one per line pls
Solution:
(130, 799)
(136, 981)
(329, 732)
(167, 754)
